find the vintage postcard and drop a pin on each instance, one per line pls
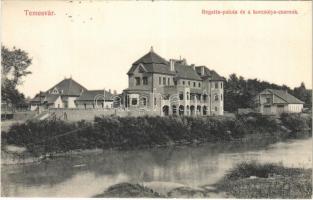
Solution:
(156, 99)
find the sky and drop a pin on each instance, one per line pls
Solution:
(96, 42)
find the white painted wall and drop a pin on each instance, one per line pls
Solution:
(58, 103)
(295, 108)
(33, 107)
(71, 102)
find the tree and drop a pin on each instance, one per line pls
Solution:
(304, 95)
(14, 64)
(239, 92)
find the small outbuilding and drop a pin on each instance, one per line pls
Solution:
(92, 99)
(275, 102)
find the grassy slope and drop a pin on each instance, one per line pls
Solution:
(252, 180)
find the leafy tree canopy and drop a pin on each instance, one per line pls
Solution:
(14, 64)
(239, 92)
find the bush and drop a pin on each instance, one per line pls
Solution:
(296, 122)
(269, 181)
(41, 137)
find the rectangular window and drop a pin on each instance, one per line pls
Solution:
(216, 97)
(145, 80)
(221, 85)
(137, 80)
(183, 82)
(175, 82)
(188, 82)
(168, 81)
(194, 84)
(144, 101)
(216, 85)
(268, 100)
(164, 80)
(221, 97)
(181, 96)
(199, 84)
(160, 81)
(134, 101)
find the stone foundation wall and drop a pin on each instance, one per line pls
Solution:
(90, 114)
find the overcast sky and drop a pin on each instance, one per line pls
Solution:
(100, 41)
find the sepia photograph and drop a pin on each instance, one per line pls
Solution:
(156, 99)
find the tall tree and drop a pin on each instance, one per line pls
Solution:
(304, 95)
(14, 64)
(239, 92)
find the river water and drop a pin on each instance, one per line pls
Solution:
(89, 174)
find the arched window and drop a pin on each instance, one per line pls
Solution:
(181, 110)
(174, 109)
(204, 110)
(181, 96)
(192, 110)
(216, 97)
(187, 96)
(55, 91)
(165, 110)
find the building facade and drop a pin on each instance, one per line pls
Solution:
(275, 102)
(62, 95)
(173, 87)
(92, 99)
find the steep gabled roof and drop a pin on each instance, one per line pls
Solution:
(68, 87)
(211, 74)
(91, 95)
(186, 72)
(284, 95)
(159, 68)
(51, 98)
(151, 57)
(153, 63)
(37, 97)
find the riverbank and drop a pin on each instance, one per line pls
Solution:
(246, 180)
(161, 169)
(253, 180)
(48, 138)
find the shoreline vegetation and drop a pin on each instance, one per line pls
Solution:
(49, 138)
(246, 180)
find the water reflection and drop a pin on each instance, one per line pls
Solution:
(87, 175)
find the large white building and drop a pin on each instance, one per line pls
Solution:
(173, 87)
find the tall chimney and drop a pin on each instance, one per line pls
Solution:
(114, 92)
(110, 91)
(172, 65)
(193, 66)
(202, 70)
